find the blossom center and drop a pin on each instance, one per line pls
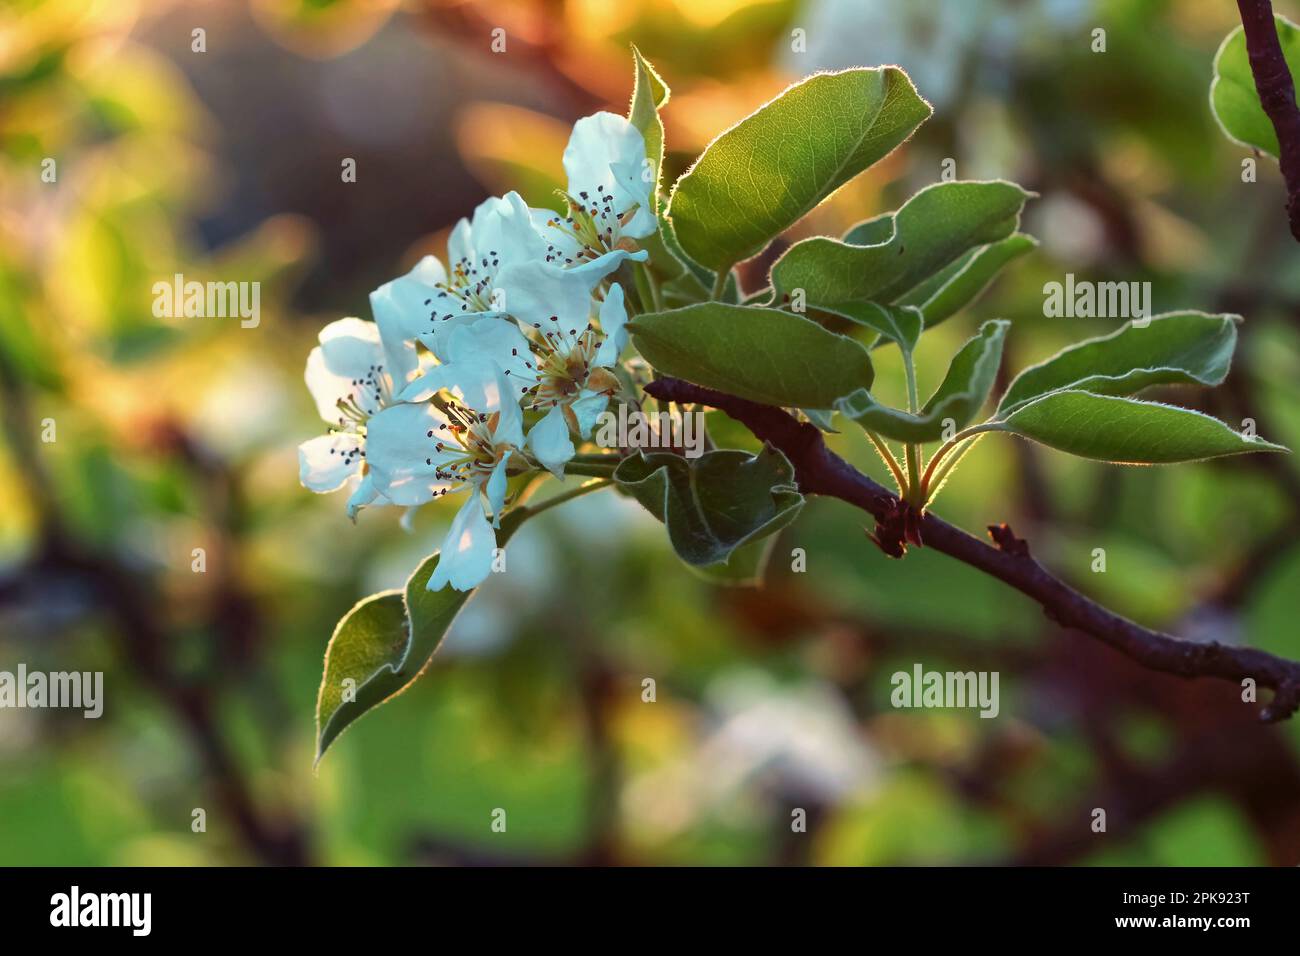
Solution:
(464, 448)
(564, 363)
(369, 393)
(594, 223)
(469, 288)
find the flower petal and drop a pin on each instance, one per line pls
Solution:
(403, 309)
(402, 451)
(549, 441)
(586, 410)
(428, 383)
(599, 143)
(607, 263)
(562, 248)
(495, 489)
(637, 181)
(509, 428)
(480, 385)
(326, 462)
(498, 340)
(465, 557)
(613, 318)
(348, 365)
(364, 494)
(326, 388)
(351, 347)
(545, 296)
(503, 233)
(407, 521)
(460, 245)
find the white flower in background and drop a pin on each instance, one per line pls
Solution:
(779, 742)
(935, 42)
(610, 195)
(418, 452)
(429, 301)
(351, 375)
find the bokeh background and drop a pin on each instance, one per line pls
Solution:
(179, 434)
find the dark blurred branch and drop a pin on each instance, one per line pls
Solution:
(144, 644)
(1140, 795)
(1276, 94)
(1212, 752)
(232, 610)
(597, 683)
(820, 471)
(543, 55)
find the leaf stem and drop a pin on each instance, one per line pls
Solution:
(551, 502)
(913, 491)
(590, 469)
(933, 484)
(890, 460)
(909, 369)
(656, 299)
(949, 445)
(719, 284)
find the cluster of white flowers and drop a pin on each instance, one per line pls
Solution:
(491, 366)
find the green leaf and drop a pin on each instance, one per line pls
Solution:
(959, 396)
(823, 418)
(682, 291)
(649, 95)
(933, 228)
(370, 640)
(681, 282)
(746, 567)
(384, 643)
(871, 231)
(1126, 430)
(953, 288)
(765, 355)
(1233, 97)
(715, 505)
(900, 325)
(1188, 348)
(765, 173)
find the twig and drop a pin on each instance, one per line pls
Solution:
(820, 471)
(1276, 92)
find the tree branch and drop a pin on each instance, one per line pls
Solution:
(1276, 92)
(819, 471)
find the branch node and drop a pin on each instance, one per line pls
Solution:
(899, 526)
(1007, 540)
(1285, 702)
